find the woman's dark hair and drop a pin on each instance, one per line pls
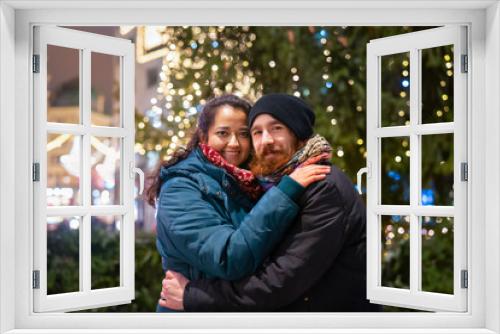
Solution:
(205, 121)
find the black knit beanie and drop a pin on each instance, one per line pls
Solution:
(289, 110)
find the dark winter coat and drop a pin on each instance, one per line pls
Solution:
(319, 266)
(206, 226)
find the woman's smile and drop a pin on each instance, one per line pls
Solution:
(231, 152)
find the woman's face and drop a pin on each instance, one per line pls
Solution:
(229, 134)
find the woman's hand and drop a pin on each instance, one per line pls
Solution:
(172, 292)
(309, 174)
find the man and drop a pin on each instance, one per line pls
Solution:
(320, 265)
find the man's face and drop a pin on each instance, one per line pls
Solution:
(273, 142)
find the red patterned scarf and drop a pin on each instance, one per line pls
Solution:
(246, 180)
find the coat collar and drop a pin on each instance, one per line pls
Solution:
(197, 168)
(194, 164)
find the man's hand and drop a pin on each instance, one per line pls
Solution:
(172, 292)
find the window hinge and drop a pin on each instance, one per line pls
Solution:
(36, 63)
(465, 66)
(36, 172)
(464, 171)
(36, 279)
(465, 279)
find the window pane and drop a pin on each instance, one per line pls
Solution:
(105, 159)
(396, 251)
(395, 89)
(63, 245)
(63, 84)
(437, 254)
(437, 170)
(437, 84)
(395, 171)
(105, 90)
(63, 169)
(105, 251)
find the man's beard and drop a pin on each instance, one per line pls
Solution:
(261, 166)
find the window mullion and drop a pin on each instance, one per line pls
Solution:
(124, 175)
(419, 210)
(79, 130)
(415, 262)
(85, 242)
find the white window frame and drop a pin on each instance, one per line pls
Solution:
(85, 44)
(16, 20)
(413, 44)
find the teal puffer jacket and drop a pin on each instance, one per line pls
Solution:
(206, 226)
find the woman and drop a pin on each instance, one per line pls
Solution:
(207, 224)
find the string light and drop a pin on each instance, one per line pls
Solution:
(177, 101)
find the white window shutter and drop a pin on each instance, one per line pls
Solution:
(413, 295)
(88, 139)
